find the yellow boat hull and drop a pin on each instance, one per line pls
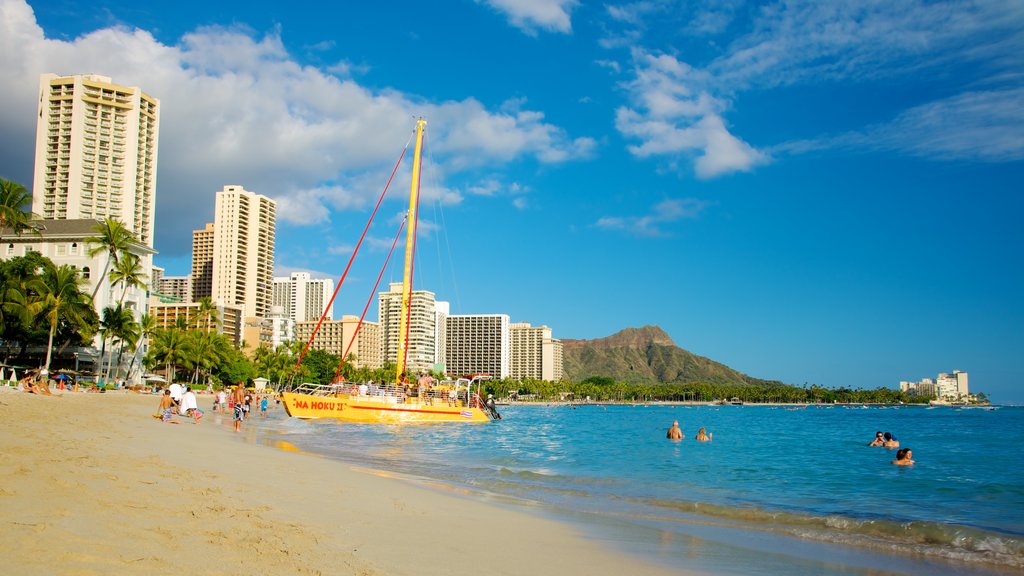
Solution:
(377, 409)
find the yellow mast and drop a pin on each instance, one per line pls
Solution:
(410, 238)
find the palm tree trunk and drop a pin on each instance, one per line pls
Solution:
(102, 277)
(49, 347)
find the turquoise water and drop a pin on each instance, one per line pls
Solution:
(777, 490)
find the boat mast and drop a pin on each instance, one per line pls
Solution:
(410, 239)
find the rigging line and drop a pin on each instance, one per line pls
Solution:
(435, 204)
(370, 299)
(353, 256)
(447, 243)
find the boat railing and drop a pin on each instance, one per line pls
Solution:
(455, 392)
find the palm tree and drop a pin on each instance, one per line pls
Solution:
(112, 326)
(206, 314)
(14, 200)
(169, 349)
(147, 328)
(204, 349)
(60, 298)
(127, 272)
(113, 238)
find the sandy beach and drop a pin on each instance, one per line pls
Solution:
(92, 484)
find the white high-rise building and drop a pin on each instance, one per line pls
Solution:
(422, 326)
(202, 263)
(243, 251)
(96, 153)
(535, 354)
(478, 344)
(179, 288)
(303, 298)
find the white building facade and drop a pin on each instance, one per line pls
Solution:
(478, 344)
(535, 354)
(243, 251)
(303, 298)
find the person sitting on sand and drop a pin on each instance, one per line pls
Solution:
(166, 409)
(890, 441)
(674, 432)
(702, 435)
(904, 457)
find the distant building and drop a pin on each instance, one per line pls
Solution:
(202, 264)
(282, 328)
(947, 387)
(96, 153)
(534, 353)
(178, 288)
(229, 318)
(478, 344)
(243, 250)
(336, 336)
(155, 274)
(422, 327)
(303, 298)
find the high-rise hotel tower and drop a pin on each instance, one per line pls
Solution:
(96, 148)
(243, 250)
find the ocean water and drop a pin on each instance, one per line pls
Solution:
(777, 491)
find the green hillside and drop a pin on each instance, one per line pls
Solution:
(645, 356)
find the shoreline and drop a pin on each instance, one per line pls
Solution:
(91, 484)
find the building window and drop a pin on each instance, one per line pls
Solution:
(62, 250)
(85, 272)
(10, 249)
(74, 248)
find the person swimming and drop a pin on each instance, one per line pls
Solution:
(702, 435)
(890, 441)
(879, 439)
(674, 432)
(904, 457)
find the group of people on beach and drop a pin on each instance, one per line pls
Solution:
(904, 456)
(180, 399)
(675, 433)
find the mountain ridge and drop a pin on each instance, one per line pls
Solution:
(645, 355)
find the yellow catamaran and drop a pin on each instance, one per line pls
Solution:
(457, 400)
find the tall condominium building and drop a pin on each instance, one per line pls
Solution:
(535, 354)
(96, 151)
(178, 288)
(336, 336)
(202, 263)
(953, 386)
(422, 326)
(303, 298)
(441, 312)
(243, 250)
(478, 344)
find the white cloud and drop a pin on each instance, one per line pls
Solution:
(671, 115)
(531, 15)
(652, 224)
(985, 126)
(236, 108)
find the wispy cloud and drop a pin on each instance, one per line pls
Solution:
(976, 126)
(239, 108)
(678, 106)
(533, 15)
(653, 224)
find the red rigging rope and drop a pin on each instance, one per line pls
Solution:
(353, 257)
(369, 300)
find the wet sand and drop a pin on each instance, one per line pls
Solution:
(93, 484)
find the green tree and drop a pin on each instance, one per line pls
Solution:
(60, 299)
(15, 202)
(168, 348)
(113, 238)
(127, 272)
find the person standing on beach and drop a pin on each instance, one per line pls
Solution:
(238, 397)
(674, 432)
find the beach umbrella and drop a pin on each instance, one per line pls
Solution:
(62, 377)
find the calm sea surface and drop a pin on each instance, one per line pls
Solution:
(777, 491)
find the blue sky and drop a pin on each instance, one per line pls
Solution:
(815, 192)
